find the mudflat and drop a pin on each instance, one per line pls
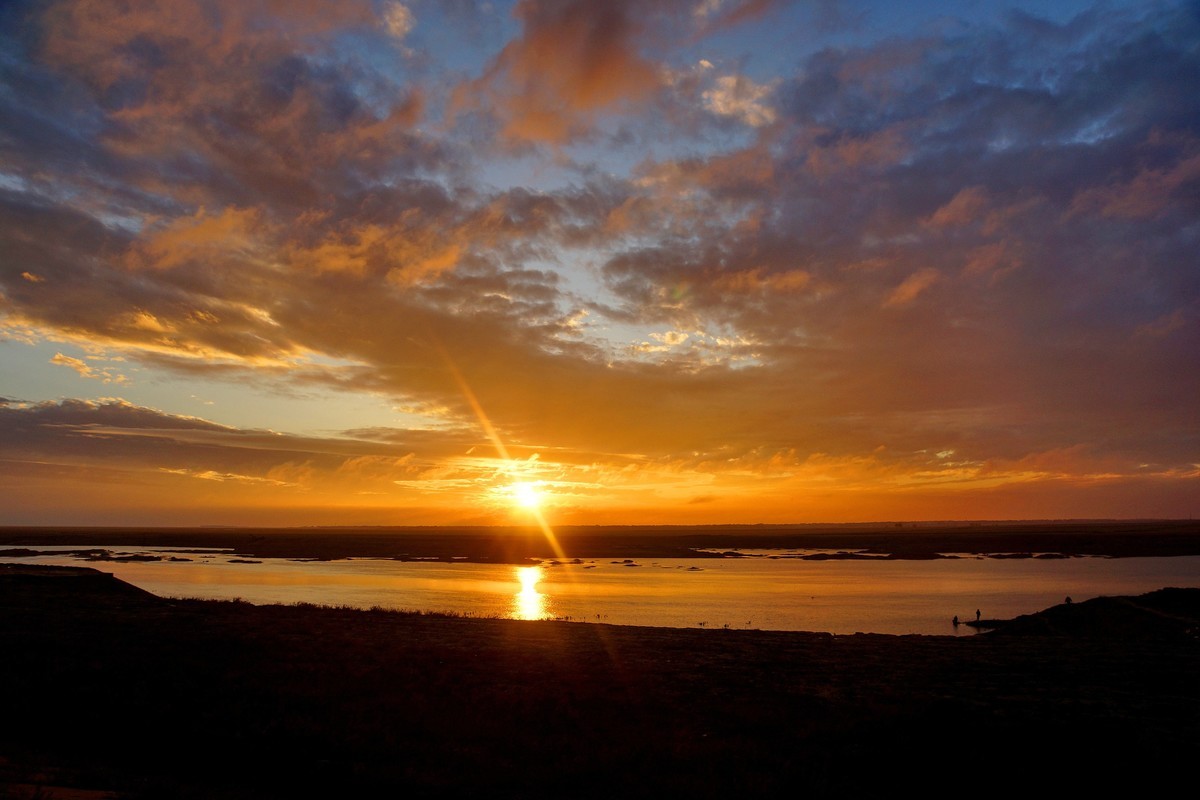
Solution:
(111, 691)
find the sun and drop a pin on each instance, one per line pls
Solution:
(526, 495)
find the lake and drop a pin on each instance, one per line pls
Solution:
(756, 591)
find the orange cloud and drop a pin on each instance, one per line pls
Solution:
(1145, 195)
(405, 254)
(911, 287)
(964, 208)
(86, 370)
(715, 15)
(1163, 326)
(755, 280)
(994, 260)
(204, 237)
(573, 59)
(241, 87)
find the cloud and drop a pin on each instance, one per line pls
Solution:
(715, 15)
(86, 370)
(970, 239)
(223, 103)
(1165, 325)
(1146, 194)
(572, 60)
(741, 98)
(964, 208)
(398, 19)
(912, 286)
(706, 8)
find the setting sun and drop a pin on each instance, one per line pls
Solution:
(527, 495)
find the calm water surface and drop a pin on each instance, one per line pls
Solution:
(881, 596)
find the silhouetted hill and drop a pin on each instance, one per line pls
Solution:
(106, 688)
(41, 587)
(1166, 613)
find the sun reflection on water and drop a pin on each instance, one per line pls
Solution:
(529, 603)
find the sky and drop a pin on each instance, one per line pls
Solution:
(368, 262)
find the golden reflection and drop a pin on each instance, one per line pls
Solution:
(529, 603)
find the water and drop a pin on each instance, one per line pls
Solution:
(875, 596)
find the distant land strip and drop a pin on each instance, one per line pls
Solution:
(908, 541)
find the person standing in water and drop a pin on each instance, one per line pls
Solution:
(977, 615)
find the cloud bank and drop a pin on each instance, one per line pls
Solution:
(945, 274)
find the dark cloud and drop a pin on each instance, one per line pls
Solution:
(117, 434)
(918, 267)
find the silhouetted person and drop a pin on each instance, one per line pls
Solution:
(977, 615)
(956, 620)
(1068, 600)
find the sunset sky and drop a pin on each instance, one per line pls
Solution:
(372, 262)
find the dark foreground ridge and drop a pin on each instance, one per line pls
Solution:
(113, 692)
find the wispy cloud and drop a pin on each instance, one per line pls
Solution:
(86, 370)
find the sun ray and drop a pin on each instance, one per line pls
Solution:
(493, 436)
